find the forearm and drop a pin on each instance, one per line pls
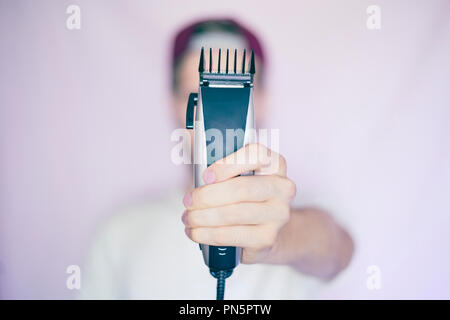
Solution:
(313, 243)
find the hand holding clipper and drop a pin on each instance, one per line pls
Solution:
(235, 218)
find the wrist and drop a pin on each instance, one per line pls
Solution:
(288, 248)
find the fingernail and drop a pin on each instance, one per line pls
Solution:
(209, 177)
(186, 230)
(187, 200)
(184, 217)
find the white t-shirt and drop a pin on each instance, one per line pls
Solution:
(143, 253)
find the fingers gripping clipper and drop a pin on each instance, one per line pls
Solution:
(224, 104)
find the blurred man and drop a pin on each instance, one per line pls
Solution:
(143, 252)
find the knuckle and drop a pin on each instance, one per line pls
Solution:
(280, 184)
(264, 156)
(282, 163)
(273, 234)
(285, 213)
(268, 238)
(273, 162)
(253, 147)
(251, 153)
(291, 188)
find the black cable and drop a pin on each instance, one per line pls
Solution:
(220, 285)
(221, 275)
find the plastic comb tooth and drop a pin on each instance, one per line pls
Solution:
(235, 60)
(243, 62)
(252, 63)
(201, 64)
(218, 62)
(210, 60)
(226, 67)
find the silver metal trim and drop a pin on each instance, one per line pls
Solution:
(200, 157)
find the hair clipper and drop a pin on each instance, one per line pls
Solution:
(224, 102)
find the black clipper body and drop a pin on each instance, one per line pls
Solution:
(224, 102)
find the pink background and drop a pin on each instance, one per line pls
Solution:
(364, 120)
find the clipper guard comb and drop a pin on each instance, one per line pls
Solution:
(224, 102)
